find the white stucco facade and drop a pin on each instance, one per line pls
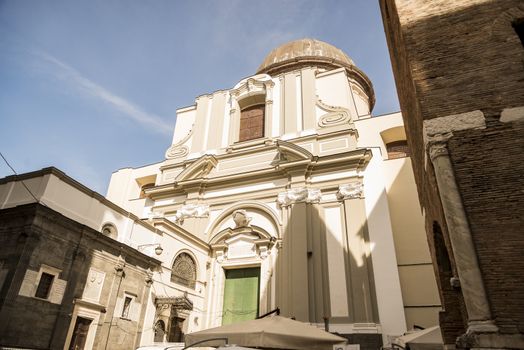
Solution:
(324, 208)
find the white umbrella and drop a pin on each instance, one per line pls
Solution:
(269, 332)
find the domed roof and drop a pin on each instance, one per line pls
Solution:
(311, 52)
(295, 53)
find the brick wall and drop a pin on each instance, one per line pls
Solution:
(489, 169)
(452, 57)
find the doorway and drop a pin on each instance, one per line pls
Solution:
(78, 340)
(241, 295)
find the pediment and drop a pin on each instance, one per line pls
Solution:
(198, 169)
(289, 152)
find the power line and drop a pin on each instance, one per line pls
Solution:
(22, 181)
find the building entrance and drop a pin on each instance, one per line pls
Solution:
(79, 338)
(241, 295)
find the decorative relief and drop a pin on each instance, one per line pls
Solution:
(192, 211)
(241, 219)
(257, 84)
(334, 116)
(94, 283)
(177, 150)
(350, 191)
(297, 195)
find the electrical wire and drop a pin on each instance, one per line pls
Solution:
(22, 181)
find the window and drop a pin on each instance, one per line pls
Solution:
(44, 285)
(110, 231)
(126, 307)
(518, 25)
(252, 122)
(184, 270)
(398, 149)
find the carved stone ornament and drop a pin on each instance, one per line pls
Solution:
(120, 264)
(241, 219)
(177, 150)
(261, 83)
(334, 115)
(192, 211)
(297, 195)
(149, 278)
(350, 191)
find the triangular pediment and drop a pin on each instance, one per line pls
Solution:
(198, 169)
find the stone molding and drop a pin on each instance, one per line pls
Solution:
(438, 131)
(298, 195)
(454, 122)
(354, 190)
(192, 211)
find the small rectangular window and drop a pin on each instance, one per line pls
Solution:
(44, 285)
(127, 306)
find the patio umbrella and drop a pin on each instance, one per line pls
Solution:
(270, 332)
(425, 339)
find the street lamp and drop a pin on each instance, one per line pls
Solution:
(158, 249)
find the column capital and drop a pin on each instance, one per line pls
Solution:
(298, 195)
(352, 190)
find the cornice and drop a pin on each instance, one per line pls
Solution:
(180, 231)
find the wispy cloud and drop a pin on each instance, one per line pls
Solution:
(90, 88)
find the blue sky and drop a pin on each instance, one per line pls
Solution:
(93, 86)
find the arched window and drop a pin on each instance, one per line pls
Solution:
(160, 331)
(184, 270)
(110, 231)
(398, 149)
(252, 122)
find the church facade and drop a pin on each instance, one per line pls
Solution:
(284, 192)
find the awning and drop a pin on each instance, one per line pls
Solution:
(269, 332)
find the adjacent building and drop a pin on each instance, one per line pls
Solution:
(67, 280)
(460, 80)
(284, 192)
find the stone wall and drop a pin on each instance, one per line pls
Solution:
(33, 236)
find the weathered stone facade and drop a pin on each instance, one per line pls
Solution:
(460, 78)
(92, 275)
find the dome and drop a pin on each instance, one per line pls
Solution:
(311, 52)
(294, 54)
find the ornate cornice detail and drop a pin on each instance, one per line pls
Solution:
(261, 83)
(192, 211)
(334, 116)
(176, 150)
(354, 190)
(297, 195)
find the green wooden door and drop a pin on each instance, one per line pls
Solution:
(241, 295)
